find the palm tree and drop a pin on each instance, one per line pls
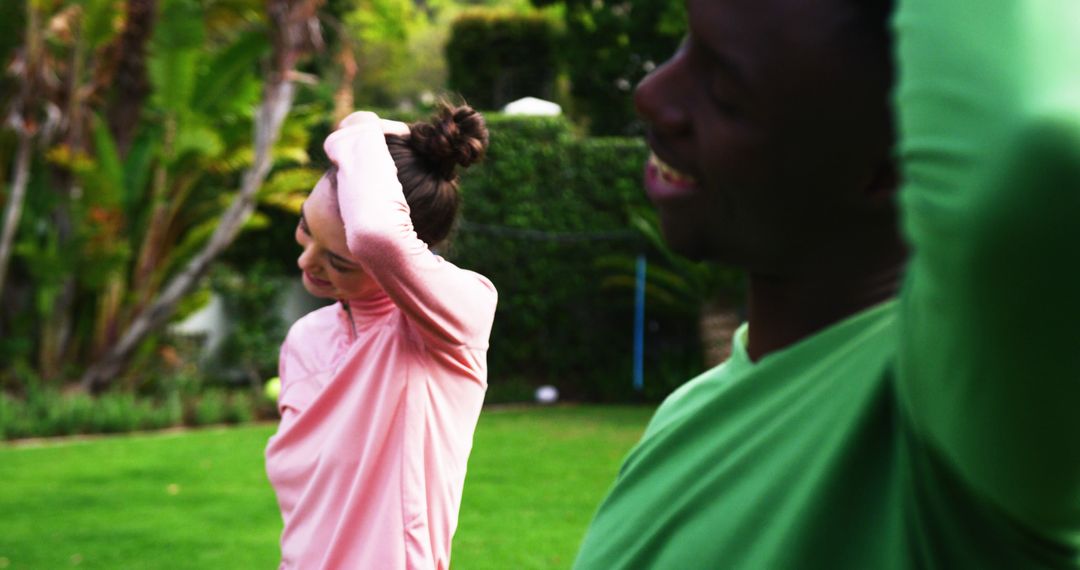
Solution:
(291, 29)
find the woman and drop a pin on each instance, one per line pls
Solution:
(381, 391)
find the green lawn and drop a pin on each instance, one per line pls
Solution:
(200, 499)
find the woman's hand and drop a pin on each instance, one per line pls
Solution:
(368, 118)
(362, 138)
(368, 190)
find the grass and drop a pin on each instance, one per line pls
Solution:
(200, 499)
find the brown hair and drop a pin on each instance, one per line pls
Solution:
(427, 162)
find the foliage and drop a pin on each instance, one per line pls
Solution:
(397, 50)
(674, 284)
(106, 225)
(251, 299)
(535, 478)
(397, 47)
(537, 215)
(215, 406)
(607, 48)
(497, 56)
(47, 412)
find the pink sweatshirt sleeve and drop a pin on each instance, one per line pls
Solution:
(450, 306)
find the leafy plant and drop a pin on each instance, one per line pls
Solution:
(497, 56)
(256, 328)
(607, 48)
(118, 207)
(212, 407)
(712, 293)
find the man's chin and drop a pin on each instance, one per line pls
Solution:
(682, 240)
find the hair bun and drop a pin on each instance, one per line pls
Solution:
(454, 136)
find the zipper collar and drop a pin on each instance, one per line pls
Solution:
(362, 311)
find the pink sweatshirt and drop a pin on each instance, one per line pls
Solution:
(378, 407)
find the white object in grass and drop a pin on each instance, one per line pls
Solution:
(547, 394)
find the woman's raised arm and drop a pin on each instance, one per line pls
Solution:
(452, 307)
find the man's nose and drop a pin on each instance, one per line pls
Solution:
(658, 98)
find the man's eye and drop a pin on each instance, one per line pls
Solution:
(722, 97)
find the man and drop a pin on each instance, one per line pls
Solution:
(904, 394)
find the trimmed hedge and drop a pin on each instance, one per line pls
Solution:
(494, 57)
(48, 412)
(538, 215)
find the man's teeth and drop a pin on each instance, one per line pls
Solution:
(669, 173)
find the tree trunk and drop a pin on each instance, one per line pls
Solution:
(22, 118)
(13, 209)
(56, 328)
(129, 71)
(343, 95)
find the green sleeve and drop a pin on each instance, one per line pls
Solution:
(989, 365)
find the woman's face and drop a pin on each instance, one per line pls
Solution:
(328, 269)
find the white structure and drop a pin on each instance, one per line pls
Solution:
(212, 322)
(533, 106)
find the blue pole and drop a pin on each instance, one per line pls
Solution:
(639, 325)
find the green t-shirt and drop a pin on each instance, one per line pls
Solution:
(940, 430)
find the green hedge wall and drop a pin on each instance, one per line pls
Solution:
(538, 215)
(494, 57)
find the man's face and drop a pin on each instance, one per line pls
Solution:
(770, 132)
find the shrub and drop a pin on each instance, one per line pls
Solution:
(168, 413)
(117, 413)
(211, 408)
(495, 56)
(537, 216)
(240, 407)
(48, 412)
(251, 297)
(69, 415)
(11, 418)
